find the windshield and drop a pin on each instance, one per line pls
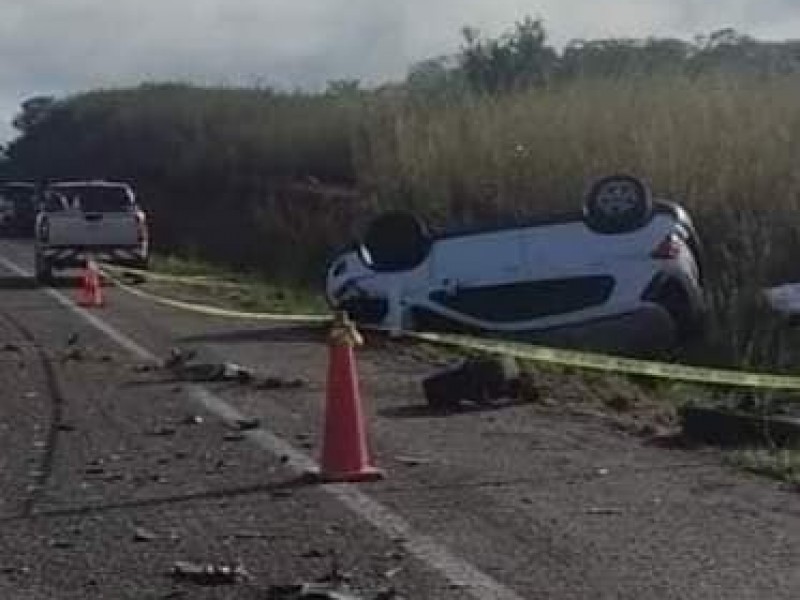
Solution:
(91, 198)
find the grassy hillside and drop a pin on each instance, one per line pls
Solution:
(212, 166)
(274, 182)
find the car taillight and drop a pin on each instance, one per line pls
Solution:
(670, 247)
(141, 227)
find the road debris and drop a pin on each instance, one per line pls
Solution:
(211, 372)
(144, 535)
(388, 594)
(73, 354)
(604, 511)
(208, 575)
(392, 573)
(15, 570)
(178, 356)
(163, 431)
(192, 420)
(475, 380)
(182, 364)
(247, 423)
(413, 461)
(279, 383)
(250, 535)
(308, 591)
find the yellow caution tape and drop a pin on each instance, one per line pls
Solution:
(615, 364)
(170, 278)
(556, 356)
(214, 311)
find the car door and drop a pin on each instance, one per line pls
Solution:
(476, 260)
(469, 275)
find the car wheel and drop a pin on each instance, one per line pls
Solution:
(618, 204)
(395, 241)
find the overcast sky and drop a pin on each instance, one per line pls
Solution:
(63, 46)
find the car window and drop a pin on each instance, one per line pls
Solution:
(92, 199)
(54, 202)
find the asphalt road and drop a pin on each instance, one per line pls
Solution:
(111, 472)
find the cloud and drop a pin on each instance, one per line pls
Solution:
(64, 46)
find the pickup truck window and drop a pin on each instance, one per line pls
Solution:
(54, 202)
(96, 199)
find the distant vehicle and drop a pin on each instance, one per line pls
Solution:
(581, 277)
(80, 218)
(17, 208)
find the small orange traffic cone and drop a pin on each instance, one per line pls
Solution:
(345, 453)
(90, 293)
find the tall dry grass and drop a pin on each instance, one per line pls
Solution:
(727, 148)
(717, 141)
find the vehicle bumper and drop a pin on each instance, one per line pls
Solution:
(65, 257)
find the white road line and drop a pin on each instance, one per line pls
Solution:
(456, 570)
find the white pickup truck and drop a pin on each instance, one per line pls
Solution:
(77, 219)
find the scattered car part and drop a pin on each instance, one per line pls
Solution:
(208, 575)
(211, 372)
(277, 383)
(308, 591)
(144, 535)
(476, 380)
(178, 356)
(247, 423)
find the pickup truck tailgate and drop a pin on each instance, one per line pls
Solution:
(100, 229)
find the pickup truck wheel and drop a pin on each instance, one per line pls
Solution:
(44, 270)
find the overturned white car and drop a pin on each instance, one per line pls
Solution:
(625, 263)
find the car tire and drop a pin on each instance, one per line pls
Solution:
(43, 270)
(618, 204)
(395, 241)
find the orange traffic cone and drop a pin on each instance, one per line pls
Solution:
(345, 455)
(90, 293)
